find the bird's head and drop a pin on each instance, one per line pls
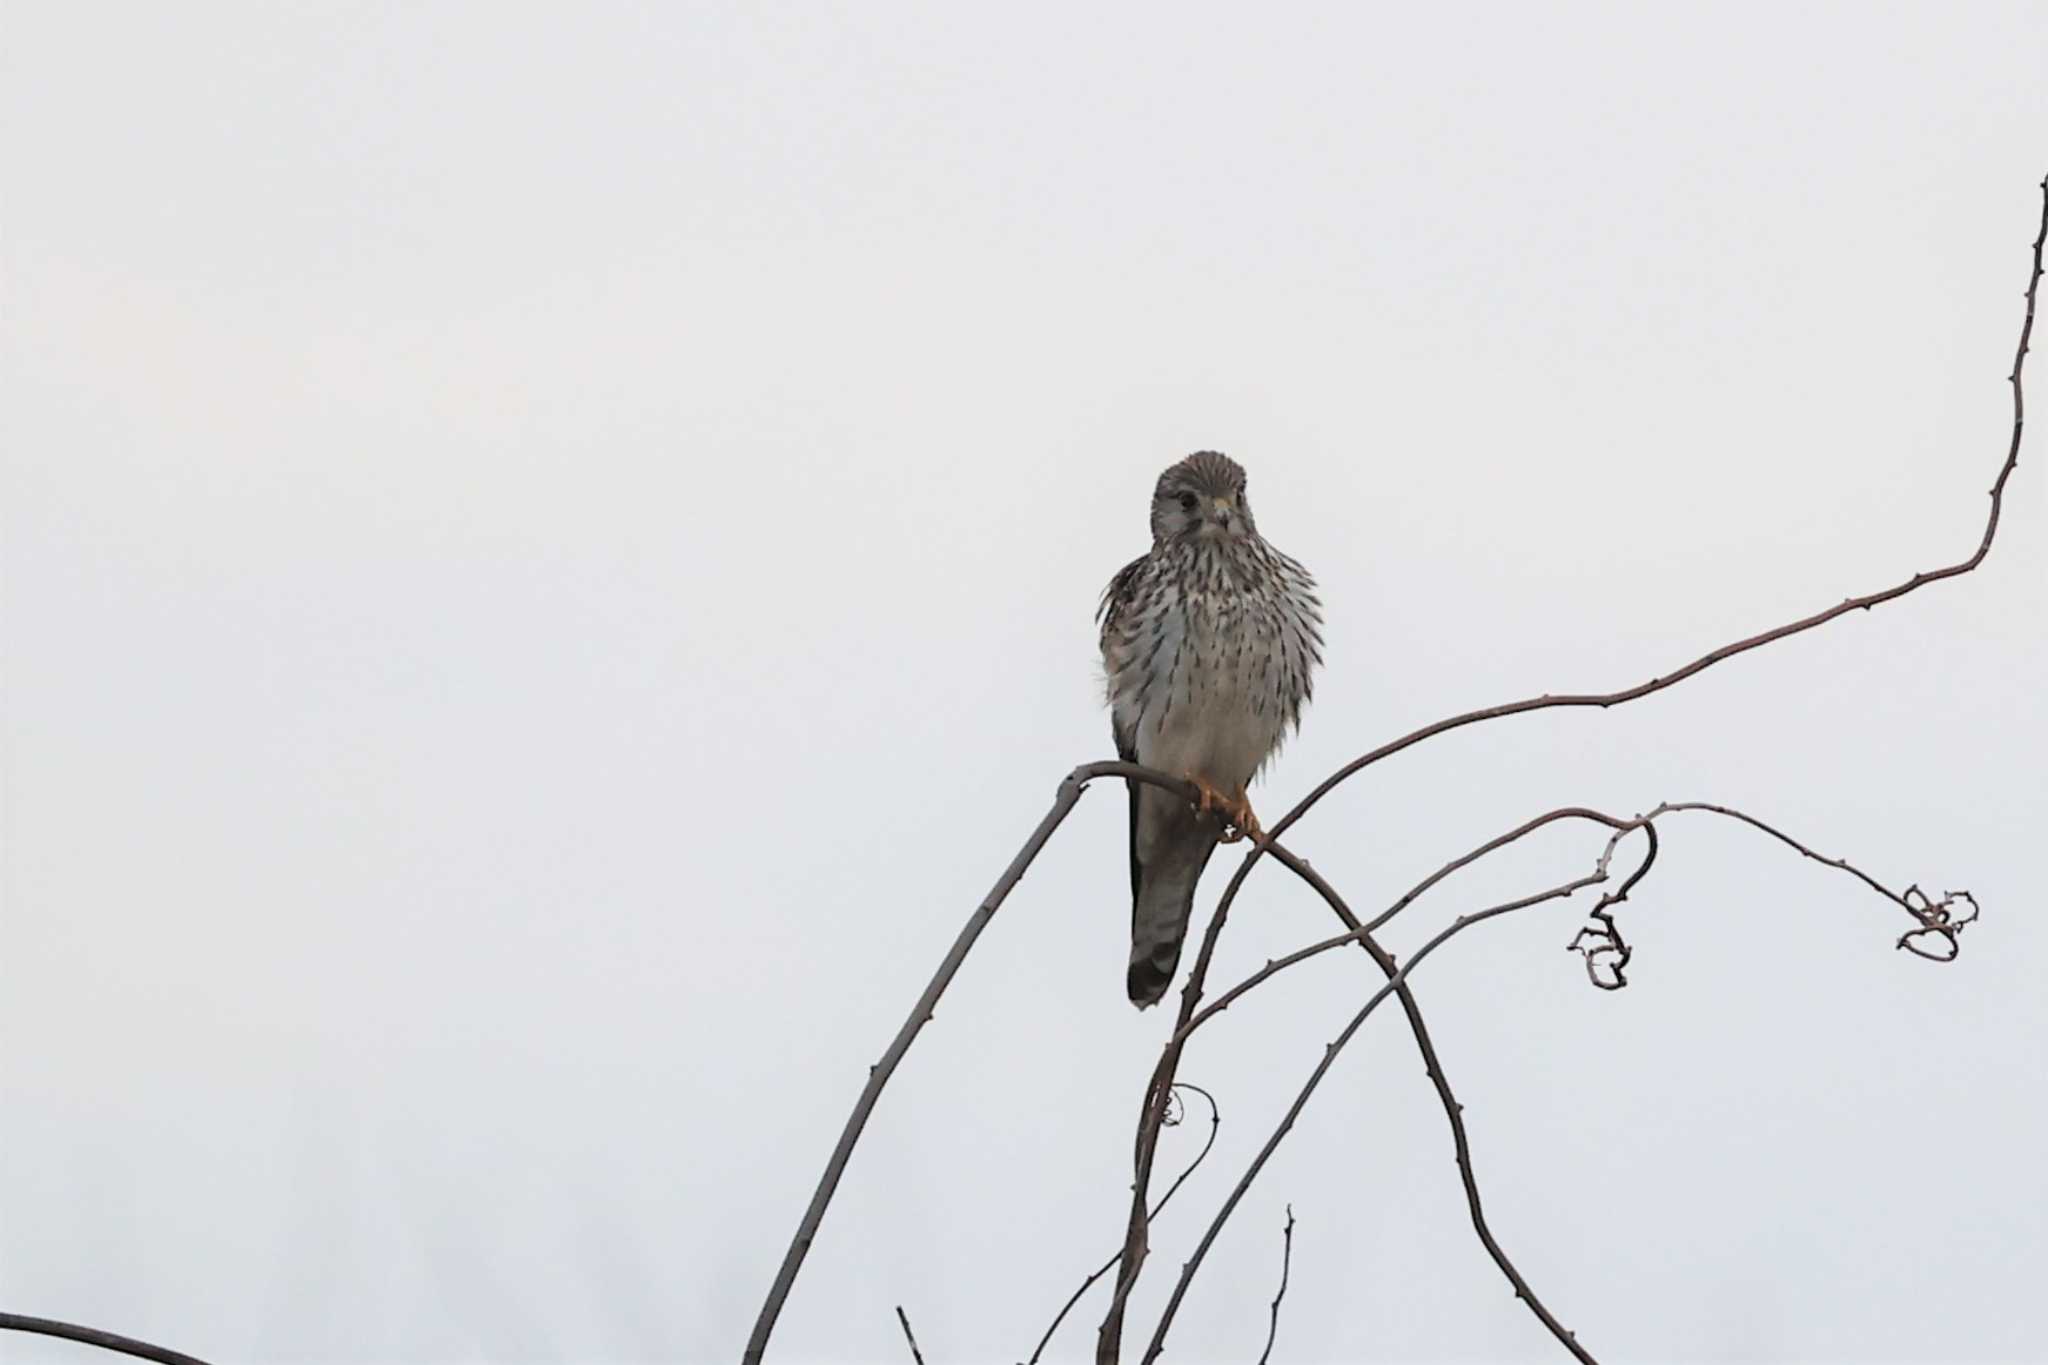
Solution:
(1201, 498)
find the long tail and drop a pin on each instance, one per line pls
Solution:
(1177, 849)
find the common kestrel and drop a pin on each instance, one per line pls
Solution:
(1208, 643)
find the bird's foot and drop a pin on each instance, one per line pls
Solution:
(1236, 811)
(1243, 824)
(1208, 799)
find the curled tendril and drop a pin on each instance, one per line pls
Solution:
(1605, 951)
(1939, 937)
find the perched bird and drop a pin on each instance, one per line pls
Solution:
(1208, 643)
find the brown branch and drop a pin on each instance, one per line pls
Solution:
(93, 1336)
(909, 1335)
(1064, 801)
(1110, 1334)
(1215, 1122)
(1350, 1030)
(1286, 1260)
(1705, 661)
(1941, 922)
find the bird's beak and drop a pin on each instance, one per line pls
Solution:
(1223, 513)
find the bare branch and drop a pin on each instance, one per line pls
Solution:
(1941, 922)
(1705, 661)
(1286, 1261)
(909, 1335)
(93, 1336)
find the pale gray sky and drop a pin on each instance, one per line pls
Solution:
(549, 555)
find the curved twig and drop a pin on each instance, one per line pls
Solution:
(93, 1336)
(1940, 922)
(1705, 661)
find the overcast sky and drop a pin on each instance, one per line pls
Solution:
(549, 559)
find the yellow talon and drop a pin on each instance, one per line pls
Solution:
(1236, 811)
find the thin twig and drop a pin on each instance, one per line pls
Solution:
(93, 1336)
(1939, 921)
(1286, 1260)
(909, 1335)
(1215, 1122)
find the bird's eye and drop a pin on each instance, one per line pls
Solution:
(1187, 502)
